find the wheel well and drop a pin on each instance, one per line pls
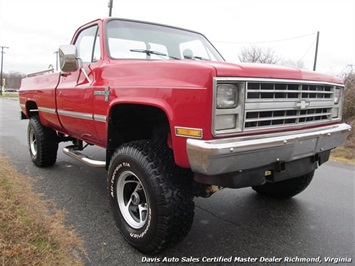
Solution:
(130, 122)
(31, 109)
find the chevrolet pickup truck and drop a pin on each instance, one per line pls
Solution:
(177, 121)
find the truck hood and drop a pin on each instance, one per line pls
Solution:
(198, 73)
(224, 69)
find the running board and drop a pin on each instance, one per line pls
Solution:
(70, 151)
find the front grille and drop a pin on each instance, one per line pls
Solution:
(288, 91)
(269, 105)
(272, 104)
(286, 117)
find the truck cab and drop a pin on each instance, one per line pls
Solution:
(177, 121)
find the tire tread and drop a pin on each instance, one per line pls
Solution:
(47, 146)
(175, 201)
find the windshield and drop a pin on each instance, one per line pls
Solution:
(137, 40)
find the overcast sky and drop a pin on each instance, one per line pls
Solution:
(34, 29)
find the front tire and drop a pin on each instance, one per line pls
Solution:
(42, 143)
(287, 188)
(151, 198)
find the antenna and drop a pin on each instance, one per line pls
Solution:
(110, 6)
(316, 53)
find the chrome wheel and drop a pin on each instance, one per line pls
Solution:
(151, 198)
(132, 200)
(33, 142)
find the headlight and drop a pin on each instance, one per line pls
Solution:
(227, 96)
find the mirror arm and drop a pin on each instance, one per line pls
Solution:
(80, 61)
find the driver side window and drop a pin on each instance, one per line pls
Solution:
(88, 45)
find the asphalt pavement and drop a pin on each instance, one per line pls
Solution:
(232, 227)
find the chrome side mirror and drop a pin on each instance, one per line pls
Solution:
(68, 58)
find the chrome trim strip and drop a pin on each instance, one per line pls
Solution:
(86, 116)
(100, 118)
(221, 156)
(47, 110)
(76, 114)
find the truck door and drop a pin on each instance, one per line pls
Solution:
(75, 94)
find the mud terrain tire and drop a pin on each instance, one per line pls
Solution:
(42, 143)
(151, 198)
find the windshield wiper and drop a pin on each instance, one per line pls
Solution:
(150, 52)
(197, 57)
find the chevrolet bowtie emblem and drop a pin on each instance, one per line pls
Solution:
(105, 93)
(302, 104)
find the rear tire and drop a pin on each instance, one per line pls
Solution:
(42, 143)
(151, 198)
(287, 188)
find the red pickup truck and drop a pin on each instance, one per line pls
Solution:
(177, 121)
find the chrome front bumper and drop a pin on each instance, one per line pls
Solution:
(230, 155)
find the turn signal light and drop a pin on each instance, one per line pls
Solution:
(188, 132)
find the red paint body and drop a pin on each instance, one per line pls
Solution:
(182, 89)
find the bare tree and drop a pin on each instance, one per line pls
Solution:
(257, 54)
(13, 79)
(349, 106)
(292, 63)
(266, 55)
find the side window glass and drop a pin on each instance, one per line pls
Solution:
(87, 44)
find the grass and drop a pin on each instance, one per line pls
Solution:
(343, 154)
(29, 233)
(9, 94)
(346, 152)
